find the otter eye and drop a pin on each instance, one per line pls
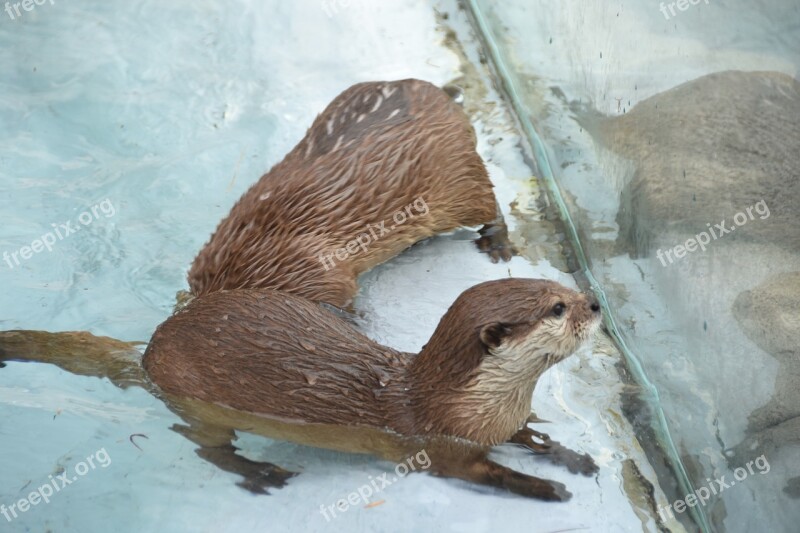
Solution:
(558, 309)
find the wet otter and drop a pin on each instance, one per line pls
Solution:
(280, 359)
(289, 358)
(340, 202)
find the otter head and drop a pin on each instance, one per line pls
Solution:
(476, 375)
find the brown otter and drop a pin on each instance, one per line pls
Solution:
(280, 359)
(289, 358)
(341, 201)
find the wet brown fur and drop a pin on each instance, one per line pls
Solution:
(280, 355)
(376, 148)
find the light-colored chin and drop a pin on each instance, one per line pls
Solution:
(588, 337)
(585, 338)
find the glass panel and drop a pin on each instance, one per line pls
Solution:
(670, 133)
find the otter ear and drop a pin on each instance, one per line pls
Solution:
(493, 335)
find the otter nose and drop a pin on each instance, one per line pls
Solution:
(594, 305)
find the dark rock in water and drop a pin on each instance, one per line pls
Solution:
(736, 135)
(793, 488)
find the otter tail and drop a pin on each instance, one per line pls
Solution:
(77, 352)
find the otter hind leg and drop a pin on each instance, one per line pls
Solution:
(494, 239)
(216, 447)
(258, 476)
(523, 484)
(542, 444)
(486, 472)
(477, 468)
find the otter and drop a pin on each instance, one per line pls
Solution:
(385, 165)
(296, 371)
(287, 357)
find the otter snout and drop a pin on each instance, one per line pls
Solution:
(587, 307)
(589, 317)
(593, 303)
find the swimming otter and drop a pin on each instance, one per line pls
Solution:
(385, 165)
(288, 364)
(289, 358)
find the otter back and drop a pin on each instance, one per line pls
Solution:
(392, 160)
(273, 354)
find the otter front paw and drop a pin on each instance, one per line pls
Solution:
(577, 463)
(494, 241)
(542, 444)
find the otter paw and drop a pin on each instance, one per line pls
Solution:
(541, 489)
(494, 241)
(527, 438)
(575, 462)
(557, 454)
(580, 464)
(560, 492)
(268, 477)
